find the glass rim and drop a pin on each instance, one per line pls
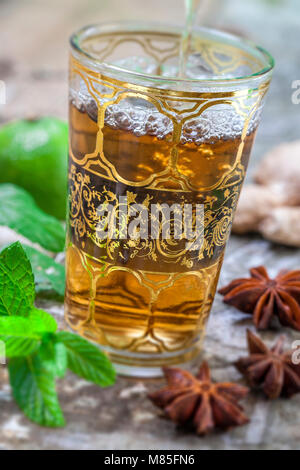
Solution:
(128, 26)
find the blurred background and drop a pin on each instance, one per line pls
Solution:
(34, 54)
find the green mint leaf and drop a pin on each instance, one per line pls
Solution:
(16, 282)
(48, 275)
(54, 355)
(61, 359)
(42, 321)
(22, 336)
(33, 387)
(86, 360)
(18, 335)
(18, 267)
(21, 214)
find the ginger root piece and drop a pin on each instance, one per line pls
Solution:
(279, 170)
(272, 206)
(282, 225)
(254, 205)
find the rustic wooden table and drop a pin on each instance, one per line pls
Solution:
(33, 64)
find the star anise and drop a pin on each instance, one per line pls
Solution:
(198, 402)
(265, 297)
(272, 369)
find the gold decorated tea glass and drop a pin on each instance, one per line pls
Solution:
(140, 136)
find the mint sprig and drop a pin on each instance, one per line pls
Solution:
(49, 275)
(19, 337)
(16, 282)
(17, 266)
(39, 354)
(84, 359)
(21, 214)
(34, 389)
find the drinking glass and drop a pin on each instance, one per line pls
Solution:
(149, 148)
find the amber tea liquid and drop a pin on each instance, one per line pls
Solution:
(149, 302)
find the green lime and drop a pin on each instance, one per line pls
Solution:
(33, 155)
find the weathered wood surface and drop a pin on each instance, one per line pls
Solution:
(33, 63)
